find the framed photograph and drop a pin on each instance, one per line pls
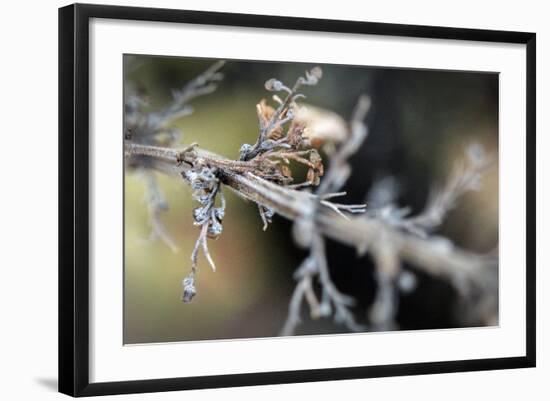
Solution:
(249, 199)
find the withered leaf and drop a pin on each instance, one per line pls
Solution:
(265, 113)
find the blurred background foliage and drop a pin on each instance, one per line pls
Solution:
(420, 123)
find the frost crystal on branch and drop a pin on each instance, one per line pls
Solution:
(206, 188)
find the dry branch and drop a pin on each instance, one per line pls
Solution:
(437, 257)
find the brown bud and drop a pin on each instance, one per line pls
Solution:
(317, 162)
(265, 113)
(295, 134)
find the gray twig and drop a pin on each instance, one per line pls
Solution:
(156, 205)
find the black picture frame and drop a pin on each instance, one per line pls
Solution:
(74, 198)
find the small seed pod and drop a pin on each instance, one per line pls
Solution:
(273, 85)
(245, 151)
(203, 197)
(317, 161)
(269, 213)
(200, 215)
(189, 290)
(219, 213)
(214, 229)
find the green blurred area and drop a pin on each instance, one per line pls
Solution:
(248, 295)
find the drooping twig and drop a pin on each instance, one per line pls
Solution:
(307, 234)
(206, 188)
(156, 205)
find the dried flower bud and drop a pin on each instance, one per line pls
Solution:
(265, 113)
(189, 290)
(313, 76)
(317, 161)
(316, 72)
(199, 216)
(273, 85)
(203, 197)
(199, 184)
(268, 212)
(202, 180)
(191, 175)
(244, 151)
(214, 229)
(294, 136)
(219, 213)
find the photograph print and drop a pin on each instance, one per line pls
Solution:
(266, 199)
